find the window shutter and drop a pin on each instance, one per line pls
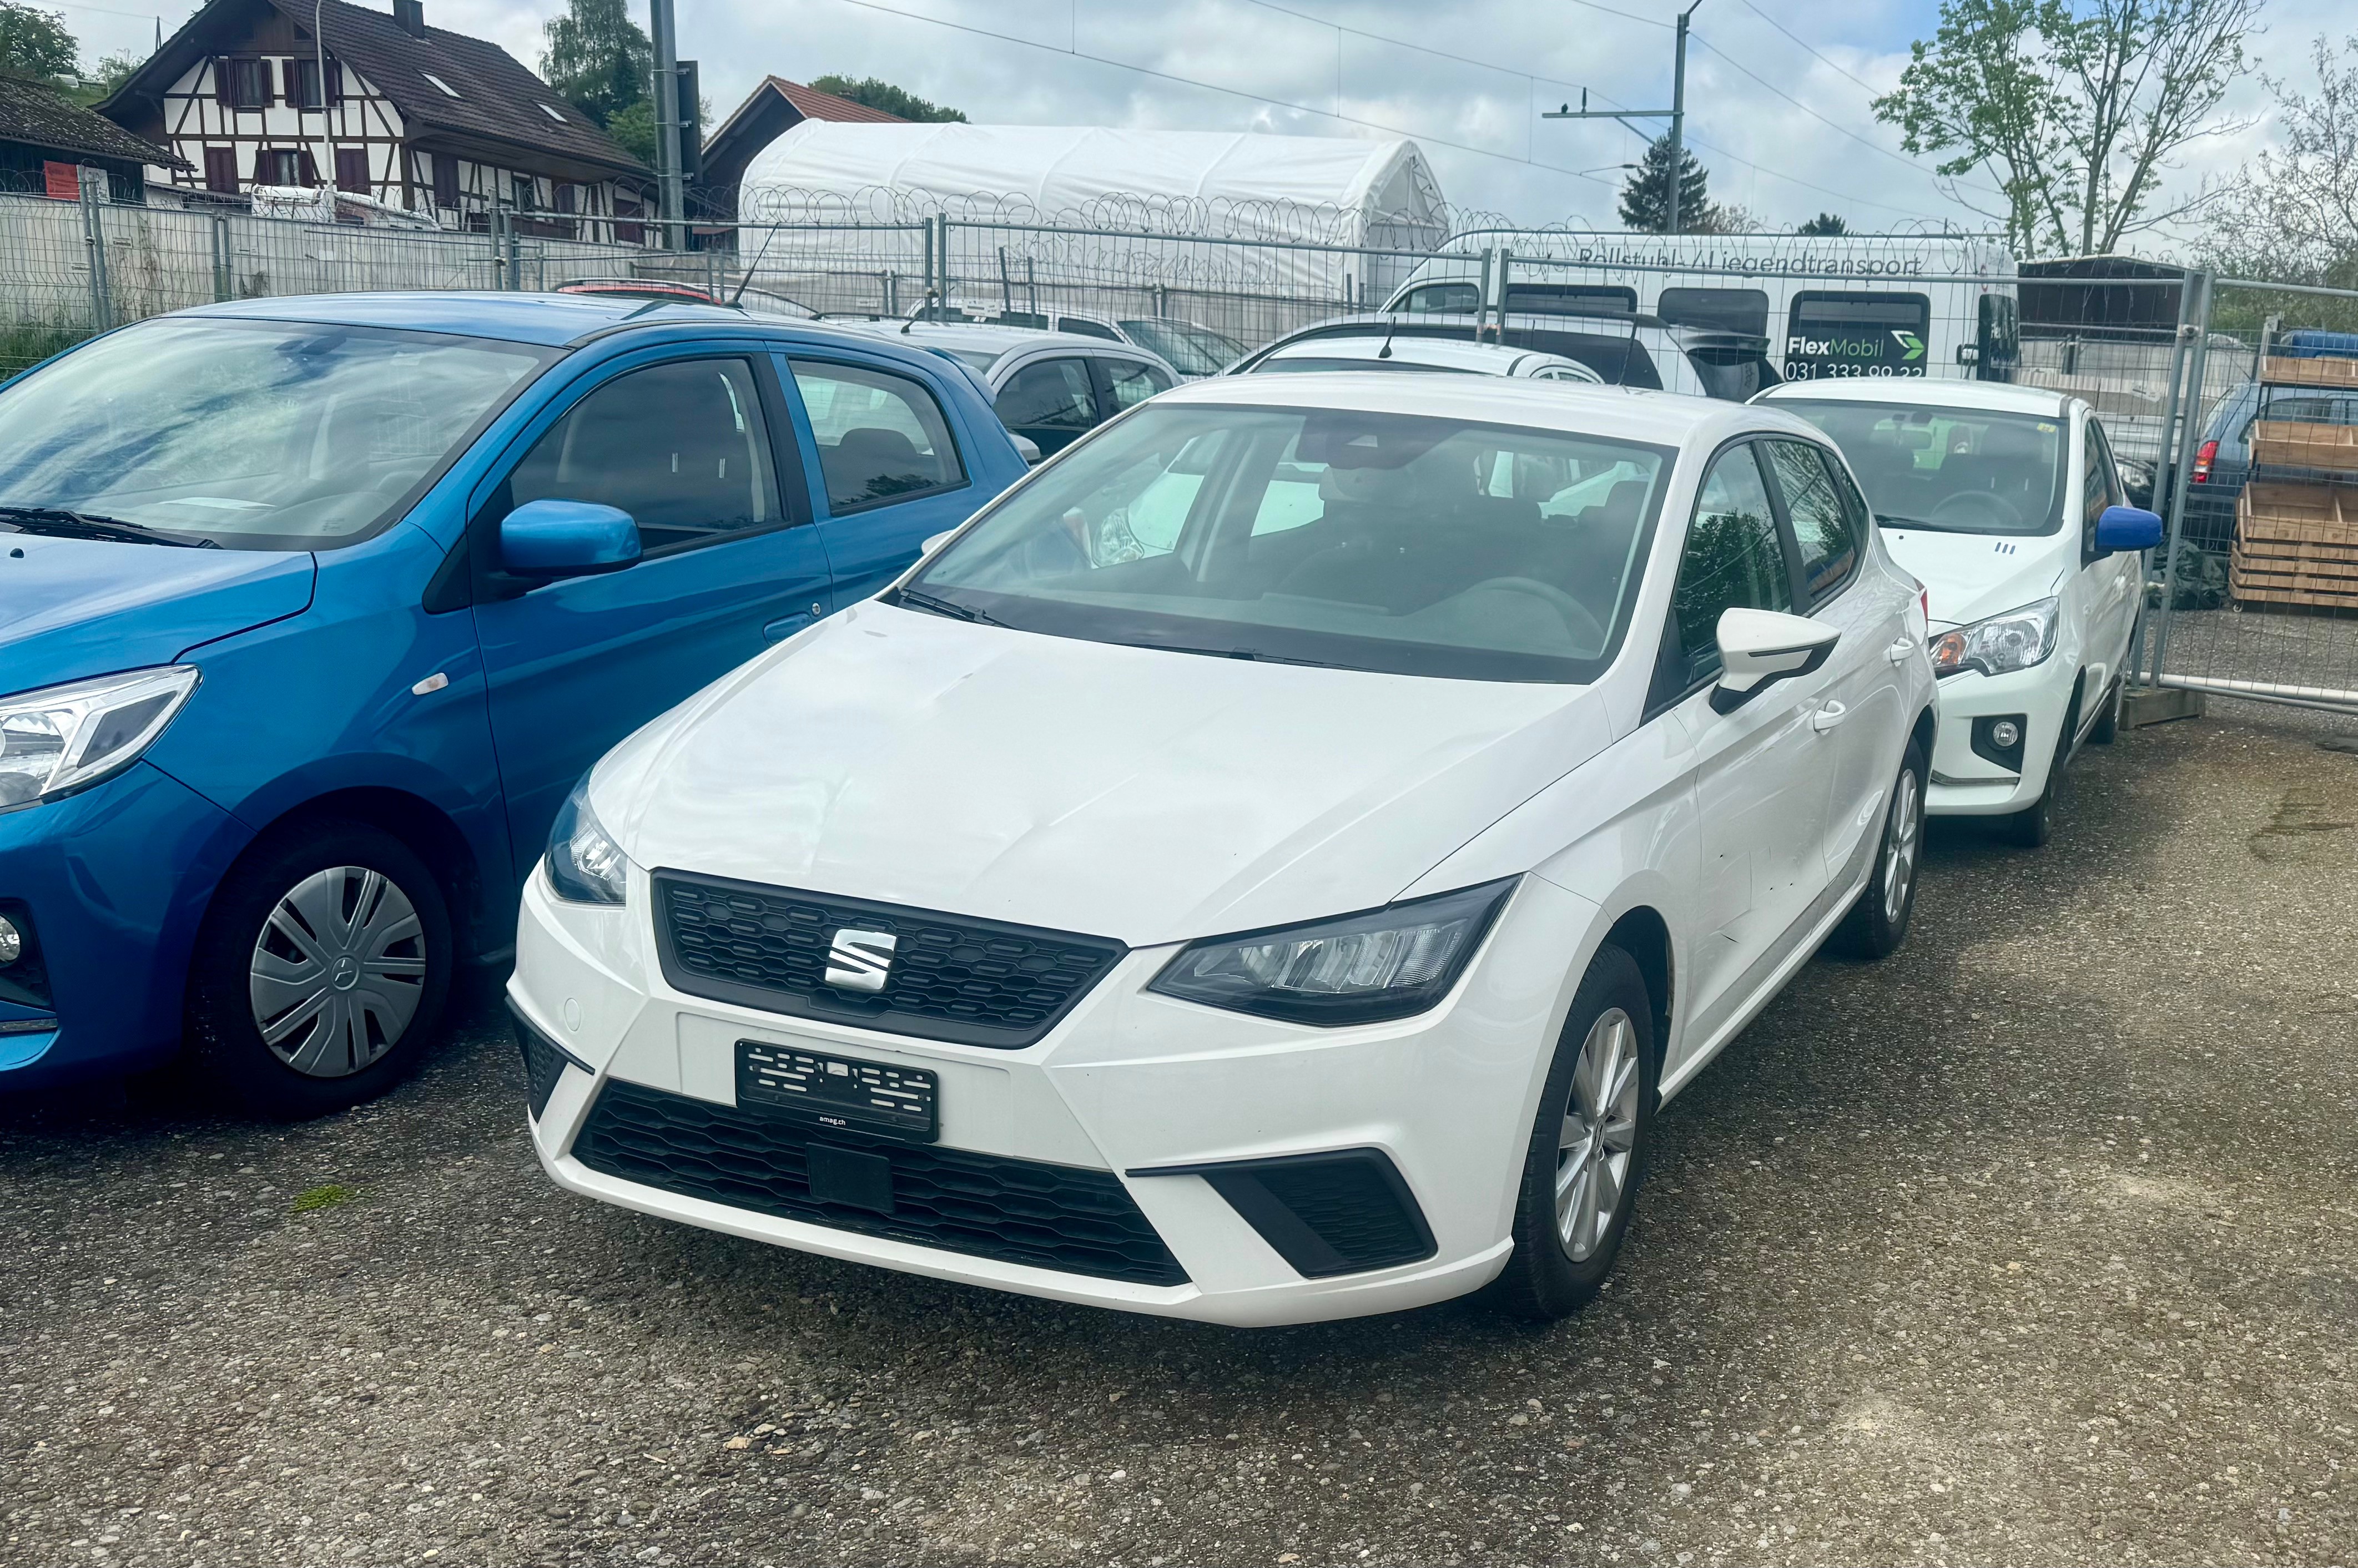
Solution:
(222, 94)
(307, 169)
(333, 88)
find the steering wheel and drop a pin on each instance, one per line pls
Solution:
(1968, 507)
(1575, 616)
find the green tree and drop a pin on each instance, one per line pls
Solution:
(1825, 225)
(877, 93)
(1645, 194)
(2076, 109)
(112, 70)
(599, 58)
(34, 43)
(2292, 216)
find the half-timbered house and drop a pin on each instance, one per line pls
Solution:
(382, 105)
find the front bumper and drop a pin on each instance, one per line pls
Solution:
(1128, 1100)
(114, 882)
(1967, 783)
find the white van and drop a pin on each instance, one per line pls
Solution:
(1851, 305)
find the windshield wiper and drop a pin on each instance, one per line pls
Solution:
(1252, 655)
(931, 605)
(86, 526)
(1888, 521)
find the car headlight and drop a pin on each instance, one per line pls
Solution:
(64, 738)
(1360, 968)
(584, 864)
(2001, 644)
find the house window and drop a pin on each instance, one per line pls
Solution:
(447, 91)
(353, 170)
(303, 84)
(221, 170)
(550, 109)
(565, 196)
(241, 84)
(277, 165)
(520, 192)
(446, 180)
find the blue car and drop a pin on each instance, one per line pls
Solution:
(313, 610)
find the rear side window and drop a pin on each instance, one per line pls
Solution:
(881, 436)
(1054, 393)
(682, 448)
(1132, 382)
(1443, 299)
(1734, 560)
(1724, 310)
(1571, 300)
(1822, 529)
(1087, 327)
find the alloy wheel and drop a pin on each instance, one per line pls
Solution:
(1901, 835)
(1599, 1136)
(338, 971)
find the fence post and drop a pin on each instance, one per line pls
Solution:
(495, 231)
(2186, 437)
(90, 185)
(516, 257)
(2179, 347)
(225, 266)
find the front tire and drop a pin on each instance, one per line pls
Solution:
(1877, 924)
(2034, 825)
(2108, 723)
(321, 971)
(1587, 1153)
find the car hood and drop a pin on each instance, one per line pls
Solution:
(1145, 796)
(1968, 577)
(73, 608)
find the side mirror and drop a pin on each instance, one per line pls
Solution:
(2124, 529)
(1758, 648)
(1029, 447)
(552, 539)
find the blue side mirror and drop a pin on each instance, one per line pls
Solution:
(2124, 528)
(567, 538)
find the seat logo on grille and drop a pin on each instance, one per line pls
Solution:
(859, 960)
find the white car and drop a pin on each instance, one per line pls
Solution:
(1268, 866)
(1048, 388)
(1189, 347)
(1622, 348)
(2006, 502)
(1442, 356)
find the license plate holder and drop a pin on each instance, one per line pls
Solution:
(839, 1093)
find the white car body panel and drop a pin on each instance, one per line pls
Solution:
(1158, 797)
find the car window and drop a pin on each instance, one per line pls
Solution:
(2100, 486)
(1132, 382)
(1857, 334)
(1400, 543)
(1734, 560)
(1087, 327)
(682, 448)
(1727, 309)
(1054, 394)
(881, 436)
(1821, 530)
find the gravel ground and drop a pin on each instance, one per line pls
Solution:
(2036, 1244)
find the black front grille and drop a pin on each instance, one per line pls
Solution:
(977, 982)
(1018, 1211)
(1343, 1212)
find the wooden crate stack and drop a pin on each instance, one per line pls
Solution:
(2297, 539)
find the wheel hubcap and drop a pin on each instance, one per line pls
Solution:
(1600, 1133)
(1900, 840)
(338, 971)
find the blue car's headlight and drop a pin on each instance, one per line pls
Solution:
(585, 865)
(1360, 968)
(60, 739)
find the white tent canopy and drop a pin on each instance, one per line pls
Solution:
(1336, 189)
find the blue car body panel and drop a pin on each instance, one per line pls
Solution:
(319, 688)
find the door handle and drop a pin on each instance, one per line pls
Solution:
(1900, 653)
(778, 630)
(1829, 714)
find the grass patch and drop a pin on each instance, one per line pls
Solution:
(325, 1196)
(26, 343)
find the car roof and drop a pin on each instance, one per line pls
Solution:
(1993, 396)
(548, 320)
(987, 337)
(1486, 359)
(1665, 418)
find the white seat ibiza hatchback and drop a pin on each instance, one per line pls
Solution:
(1268, 866)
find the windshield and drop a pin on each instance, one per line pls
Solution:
(1364, 541)
(1957, 471)
(1192, 350)
(1281, 362)
(256, 434)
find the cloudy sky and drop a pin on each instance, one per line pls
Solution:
(1777, 90)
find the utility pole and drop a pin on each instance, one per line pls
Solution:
(667, 122)
(1676, 114)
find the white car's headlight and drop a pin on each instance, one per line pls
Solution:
(64, 738)
(2001, 644)
(1360, 968)
(584, 864)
